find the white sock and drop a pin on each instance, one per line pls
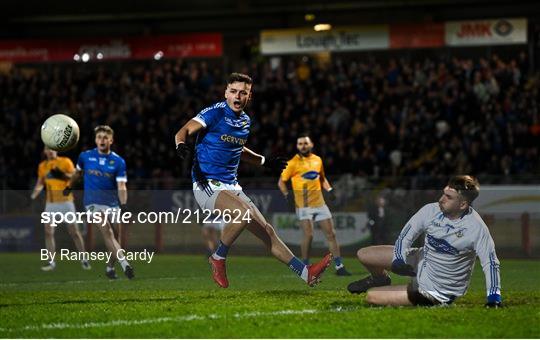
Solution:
(52, 264)
(340, 266)
(304, 275)
(109, 269)
(124, 264)
(217, 257)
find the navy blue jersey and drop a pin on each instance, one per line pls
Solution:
(101, 172)
(219, 145)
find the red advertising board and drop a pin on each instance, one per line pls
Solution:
(416, 35)
(161, 46)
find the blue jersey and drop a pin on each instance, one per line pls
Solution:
(219, 145)
(101, 172)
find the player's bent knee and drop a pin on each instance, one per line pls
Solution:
(331, 236)
(72, 230)
(362, 254)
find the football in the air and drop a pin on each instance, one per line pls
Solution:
(60, 132)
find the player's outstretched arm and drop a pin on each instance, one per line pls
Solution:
(485, 249)
(37, 188)
(283, 187)
(252, 157)
(122, 193)
(191, 127)
(276, 164)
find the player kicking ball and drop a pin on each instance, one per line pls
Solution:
(222, 131)
(306, 172)
(441, 270)
(104, 175)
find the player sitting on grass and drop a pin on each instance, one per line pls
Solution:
(441, 269)
(222, 131)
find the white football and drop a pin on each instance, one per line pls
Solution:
(60, 132)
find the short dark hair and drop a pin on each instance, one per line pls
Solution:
(467, 186)
(303, 135)
(239, 77)
(104, 128)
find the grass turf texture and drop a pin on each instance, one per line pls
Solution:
(174, 296)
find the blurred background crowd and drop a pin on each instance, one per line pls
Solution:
(420, 117)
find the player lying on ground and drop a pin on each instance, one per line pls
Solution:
(306, 173)
(441, 271)
(104, 175)
(54, 174)
(222, 131)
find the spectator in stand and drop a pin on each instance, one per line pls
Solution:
(365, 113)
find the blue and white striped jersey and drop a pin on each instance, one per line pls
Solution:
(450, 250)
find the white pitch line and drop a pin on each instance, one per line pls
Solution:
(10, 284)
(193, 317)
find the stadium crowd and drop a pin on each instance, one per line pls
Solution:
(418, 118)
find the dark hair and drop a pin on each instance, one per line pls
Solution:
(303, 135)
(239, 77)
(104, 128)
(467, 186)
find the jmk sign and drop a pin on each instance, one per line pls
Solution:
(486, 32)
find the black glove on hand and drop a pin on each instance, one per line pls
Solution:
(331, 195)
(124, 207)
(57, 173)
(66, 191)
(401, 268)
(276, 164)
(182, 150)
(290, 201)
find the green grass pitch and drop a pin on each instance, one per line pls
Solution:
(174, 296)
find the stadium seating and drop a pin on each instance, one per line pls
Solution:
(420, 117)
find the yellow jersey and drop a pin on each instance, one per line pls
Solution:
(306, 174)
(55, 186)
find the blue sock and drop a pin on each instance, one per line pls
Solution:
(296, 266)
(306, 261)
(337, 261)
(222, 250)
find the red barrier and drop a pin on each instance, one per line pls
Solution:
(148, 47)
(416, 35)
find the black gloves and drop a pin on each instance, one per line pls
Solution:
(57, 173)
(67, 191)
(182, 150)
(124, 207)
(276, 164)
(401, 268)
(290, 201)
(331, 194)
